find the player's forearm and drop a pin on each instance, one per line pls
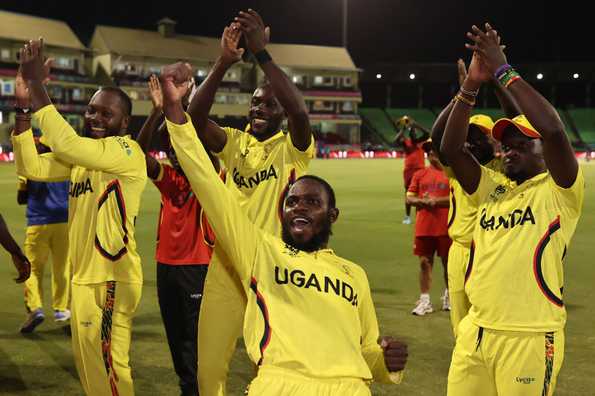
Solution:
(200, 106)
(285, 91)
(39, 95)
(6, 240)
(415, 201)
(442, 202)
(540, 113)
(507, 102)
(145, 136)
(438, 128)
(455, 132)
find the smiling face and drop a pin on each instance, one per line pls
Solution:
(308, 215)
(106, 115)
(522, 156)
(266, 113)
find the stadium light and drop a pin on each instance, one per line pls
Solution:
(412, 76)
(575, 76)
(379, 76)
(539, 76)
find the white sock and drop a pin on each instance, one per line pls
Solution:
(445, 292)
(425, 297)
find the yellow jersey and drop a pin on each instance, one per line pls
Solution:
(260, 173)
(462, 211)
(107, 177)
(311, 313)
(522, 232)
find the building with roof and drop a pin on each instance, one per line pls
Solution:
(326, 75)
(71, 84)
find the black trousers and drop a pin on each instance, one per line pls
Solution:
(179, 290)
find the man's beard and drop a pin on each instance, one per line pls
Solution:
(318, 241)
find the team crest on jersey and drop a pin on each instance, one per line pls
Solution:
(497, 193)
(124, 145)
(290, 250)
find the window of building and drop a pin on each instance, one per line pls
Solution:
(347, 81)
(62, 62)
(131, 68)
(324, 81)
(5, 54)
(154, 70)
(77, 94)
(232, 76)
(347, 107)
(298, 79)
(323, 105)
(7, 87)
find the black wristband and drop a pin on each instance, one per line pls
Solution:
(263, 56)
(22, 110)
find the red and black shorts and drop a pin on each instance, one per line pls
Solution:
(427, 246)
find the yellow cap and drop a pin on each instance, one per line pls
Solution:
(520, 122)
(483, 122)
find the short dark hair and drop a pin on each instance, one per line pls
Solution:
(123, 97)
(329, 190)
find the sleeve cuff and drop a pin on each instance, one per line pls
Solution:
(28, 134)
(411, 194)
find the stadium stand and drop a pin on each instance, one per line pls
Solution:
(584, 121)
(378, 120)
(424, 117)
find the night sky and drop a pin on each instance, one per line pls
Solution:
(378, 30)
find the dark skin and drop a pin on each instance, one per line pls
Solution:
(105, 115)
(306, 207)
(270, 103)
(19, 259)
(478, 143)
(559, 158)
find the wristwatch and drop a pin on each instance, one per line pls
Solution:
(22, 110)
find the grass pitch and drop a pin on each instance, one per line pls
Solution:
(369, 232)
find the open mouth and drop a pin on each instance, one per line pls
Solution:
(97, 129)
(259, 122)
(299, 223)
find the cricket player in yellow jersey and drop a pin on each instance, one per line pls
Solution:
(310, 322)
(108, 174)
(261, 165)
(462, 210)
(512, 341)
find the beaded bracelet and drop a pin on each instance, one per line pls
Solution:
(509, 76)
(502, 69)
(473, 94)
(463, 99)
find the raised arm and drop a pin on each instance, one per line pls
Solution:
(290, 97)
(234, 231)
(211, 134)
(29, 162)
(18, 257)
(464, 165)
(152, 123)
(110, 155)
(557, 150)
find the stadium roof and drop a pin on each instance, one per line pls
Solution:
(20, 27)
(146, 43)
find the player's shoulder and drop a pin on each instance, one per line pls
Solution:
(347, 266)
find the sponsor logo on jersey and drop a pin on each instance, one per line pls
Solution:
(497, 193)
(80, 188)
(124, 144)
(525, 380)
(255, 179)
(323, 284)
(517, 217)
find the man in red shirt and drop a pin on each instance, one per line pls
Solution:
(410, 137)
(428, 192)
(185, 243)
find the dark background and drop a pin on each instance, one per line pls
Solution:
(378, 30)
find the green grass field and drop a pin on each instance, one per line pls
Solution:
(369, 232)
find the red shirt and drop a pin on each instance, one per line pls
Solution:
(414, 155)
(184, 236)
(432, 183)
